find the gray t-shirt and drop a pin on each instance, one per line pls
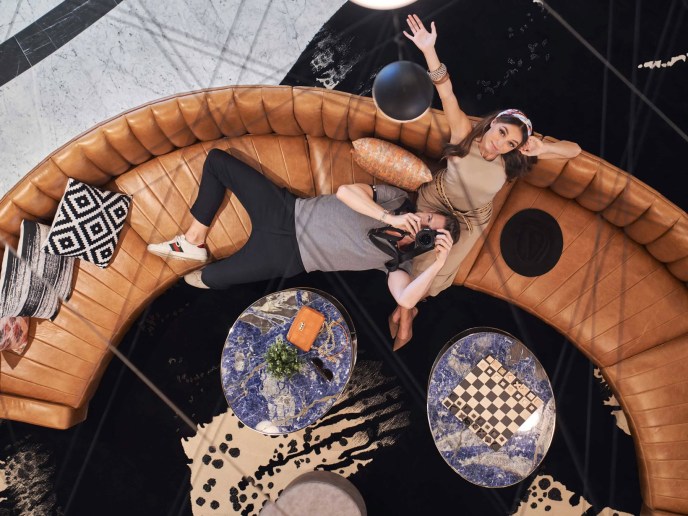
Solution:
(333, 237)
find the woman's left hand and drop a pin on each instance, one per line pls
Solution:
(533, 147)
(423, 39)
(443, 244)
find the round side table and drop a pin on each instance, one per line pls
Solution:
(280, 406)
(490, 407)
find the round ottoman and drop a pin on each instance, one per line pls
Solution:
(316, 493)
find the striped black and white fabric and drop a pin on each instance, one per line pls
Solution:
(87, 223)
(32, 282)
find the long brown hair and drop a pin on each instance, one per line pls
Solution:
(515, 164)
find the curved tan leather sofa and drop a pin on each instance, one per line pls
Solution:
(618, 292)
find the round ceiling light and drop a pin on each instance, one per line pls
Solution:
(403, 91)
(383, 4)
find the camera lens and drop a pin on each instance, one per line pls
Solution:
(425, 238)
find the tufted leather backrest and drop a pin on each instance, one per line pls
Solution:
(117, 145)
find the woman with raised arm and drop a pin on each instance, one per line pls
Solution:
(480, 159)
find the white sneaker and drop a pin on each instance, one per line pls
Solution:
(194, 279)
(179, 248)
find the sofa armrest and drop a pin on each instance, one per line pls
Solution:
(43, 413)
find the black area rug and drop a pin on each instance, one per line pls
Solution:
(130, 455)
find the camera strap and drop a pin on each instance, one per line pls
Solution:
(386, 240)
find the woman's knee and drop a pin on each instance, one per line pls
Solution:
(218, 159)
(217, 154)
(223, 165)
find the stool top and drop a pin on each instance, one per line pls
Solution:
(531, 242)
(316, 493)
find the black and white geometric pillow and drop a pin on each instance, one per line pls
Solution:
(32, 282)
(87, 223)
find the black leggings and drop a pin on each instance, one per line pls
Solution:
(272, 250)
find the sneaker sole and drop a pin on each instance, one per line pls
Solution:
(192, 282)
(163, 254)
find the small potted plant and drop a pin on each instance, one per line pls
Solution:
(282, 359)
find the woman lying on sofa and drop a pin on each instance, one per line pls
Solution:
(480, 160)
(356, 229)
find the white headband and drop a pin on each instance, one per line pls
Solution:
(518, 114)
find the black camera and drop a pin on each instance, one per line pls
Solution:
(425, 239)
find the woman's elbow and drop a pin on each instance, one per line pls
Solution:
(570, 149)
(405, 303)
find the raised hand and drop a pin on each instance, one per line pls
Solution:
(550, 150)
(423, 39)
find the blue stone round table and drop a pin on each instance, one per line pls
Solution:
(279, 406)
(461, 439)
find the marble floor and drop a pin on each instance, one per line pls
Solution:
(122, 54)
(66, 65)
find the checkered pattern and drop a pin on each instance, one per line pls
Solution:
(492, 402)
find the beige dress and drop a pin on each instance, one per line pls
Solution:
(466, 187)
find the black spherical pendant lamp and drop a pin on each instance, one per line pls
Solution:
(383, 4)
(403, 91)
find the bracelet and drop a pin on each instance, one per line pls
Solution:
(442, 80)
(438, 74)
(384, 214)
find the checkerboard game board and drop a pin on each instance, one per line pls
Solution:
(492, 402)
